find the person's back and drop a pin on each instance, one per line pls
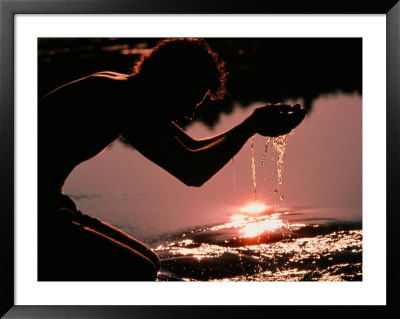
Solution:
(76, 122)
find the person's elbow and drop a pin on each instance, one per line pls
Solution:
(191, 173)
(194, 181)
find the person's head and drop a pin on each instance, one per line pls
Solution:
(179, 73)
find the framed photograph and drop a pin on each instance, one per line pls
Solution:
(188, 160)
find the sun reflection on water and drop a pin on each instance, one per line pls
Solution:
(265, 246)
(251, 224)
(254, 226)
(254, 208)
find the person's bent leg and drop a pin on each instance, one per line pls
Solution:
(77, 253)
(120, 236)
(109, 230)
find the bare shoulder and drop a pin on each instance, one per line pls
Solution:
(110, 75)
(96, 86)
(94, 100)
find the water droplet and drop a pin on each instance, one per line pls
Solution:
(234, 180)
(265, 151)
(253, 167)
(279, 146)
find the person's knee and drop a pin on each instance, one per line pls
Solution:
(155, 259)
(147, 271)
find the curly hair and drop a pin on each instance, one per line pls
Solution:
(174, 59)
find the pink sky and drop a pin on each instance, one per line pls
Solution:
(322, 170)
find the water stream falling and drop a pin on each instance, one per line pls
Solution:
(253, 168)
(234, 180)
(265, 151)
(279, 146)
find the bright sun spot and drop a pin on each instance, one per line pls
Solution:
(256, 228)
(249, 224)
(254, 208)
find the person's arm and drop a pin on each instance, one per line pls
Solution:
(258, 118)
(167, 147)
(195, 161)
(191, 143)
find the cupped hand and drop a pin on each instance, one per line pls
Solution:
(276, 119)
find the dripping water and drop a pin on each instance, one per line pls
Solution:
(264, 155)
(265, 151)
(253, 167)
(279, 144)
(234, 180)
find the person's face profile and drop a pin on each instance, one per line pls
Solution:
(183, 98)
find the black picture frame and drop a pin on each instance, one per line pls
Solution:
(8, 10)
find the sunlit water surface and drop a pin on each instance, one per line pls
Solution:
(277, 246)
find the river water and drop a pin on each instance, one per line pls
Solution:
(283, 246)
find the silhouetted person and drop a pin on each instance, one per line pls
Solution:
(80, 119)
